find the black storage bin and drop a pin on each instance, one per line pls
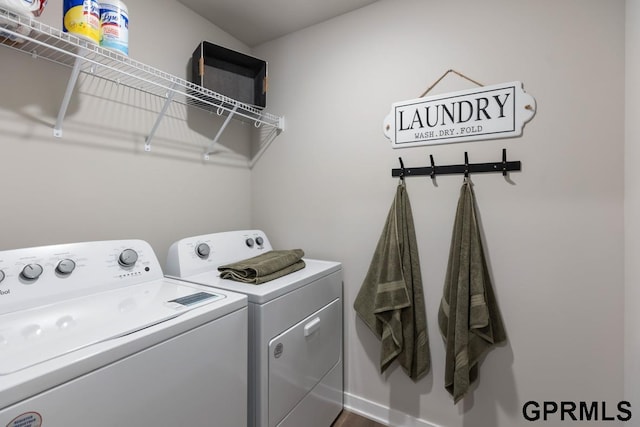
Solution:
(230, 73)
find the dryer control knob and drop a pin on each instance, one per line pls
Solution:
(65, 267)
(249, 242)
(1, 275)
(259, 240)
(203, 250)
(128, 258)
(31, 271)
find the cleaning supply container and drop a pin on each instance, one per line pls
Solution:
(114, 26)
(82, 18)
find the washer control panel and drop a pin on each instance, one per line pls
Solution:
(46, 274)
(197, 254)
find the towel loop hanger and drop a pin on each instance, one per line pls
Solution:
(433, 167)
(466, 165)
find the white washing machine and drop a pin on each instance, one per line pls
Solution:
(93, 334)
(295, 328)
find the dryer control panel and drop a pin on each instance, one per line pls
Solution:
(46, 274)
(198, 254)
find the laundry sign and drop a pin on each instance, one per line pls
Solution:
(487, 112)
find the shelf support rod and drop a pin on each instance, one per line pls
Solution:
(267, 142)
(71, 84)
(222, 128)
(165, 107)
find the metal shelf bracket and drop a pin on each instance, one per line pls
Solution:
(170, 95)
(71, 84)
(266, 142)
(222, 128)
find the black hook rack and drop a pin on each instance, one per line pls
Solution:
(467, 168)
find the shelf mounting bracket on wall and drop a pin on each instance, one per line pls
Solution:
(222, 128)
(264, 144)
(170, 95)
(71, 84)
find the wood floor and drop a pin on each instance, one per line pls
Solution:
(349, 419)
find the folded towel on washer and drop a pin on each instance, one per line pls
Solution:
(391, 300)
(265, 267)
(469, 318)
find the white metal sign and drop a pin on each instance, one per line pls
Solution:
(487, 112)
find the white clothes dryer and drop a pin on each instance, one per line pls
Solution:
(93, 334)
(295, 328)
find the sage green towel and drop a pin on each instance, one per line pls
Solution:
(469, 318)
(391, 299)
(265, 267)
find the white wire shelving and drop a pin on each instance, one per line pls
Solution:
(45, 42)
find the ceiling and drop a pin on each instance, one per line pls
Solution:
(257, 21)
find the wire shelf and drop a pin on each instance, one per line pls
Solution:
(39, 40)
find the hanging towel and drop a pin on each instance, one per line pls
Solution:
(469, 318)
(262, 268)
(391, 299)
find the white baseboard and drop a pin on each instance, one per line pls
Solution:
(382, 414)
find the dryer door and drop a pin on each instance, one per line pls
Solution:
(300, 356)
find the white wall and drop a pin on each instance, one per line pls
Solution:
(97, 182)
(554, 234)
(632, 202)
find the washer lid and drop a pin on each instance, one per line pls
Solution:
(314, 269)
(33, 336)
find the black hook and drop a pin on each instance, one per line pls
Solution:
(504, 162)
(401, 168)
(466, 165)
(433, 167)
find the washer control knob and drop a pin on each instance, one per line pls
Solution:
(31, 271)
(259, 240)
(249, 242)
(128, 258)
(65, 267)
(1, 275)
(203, 250)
